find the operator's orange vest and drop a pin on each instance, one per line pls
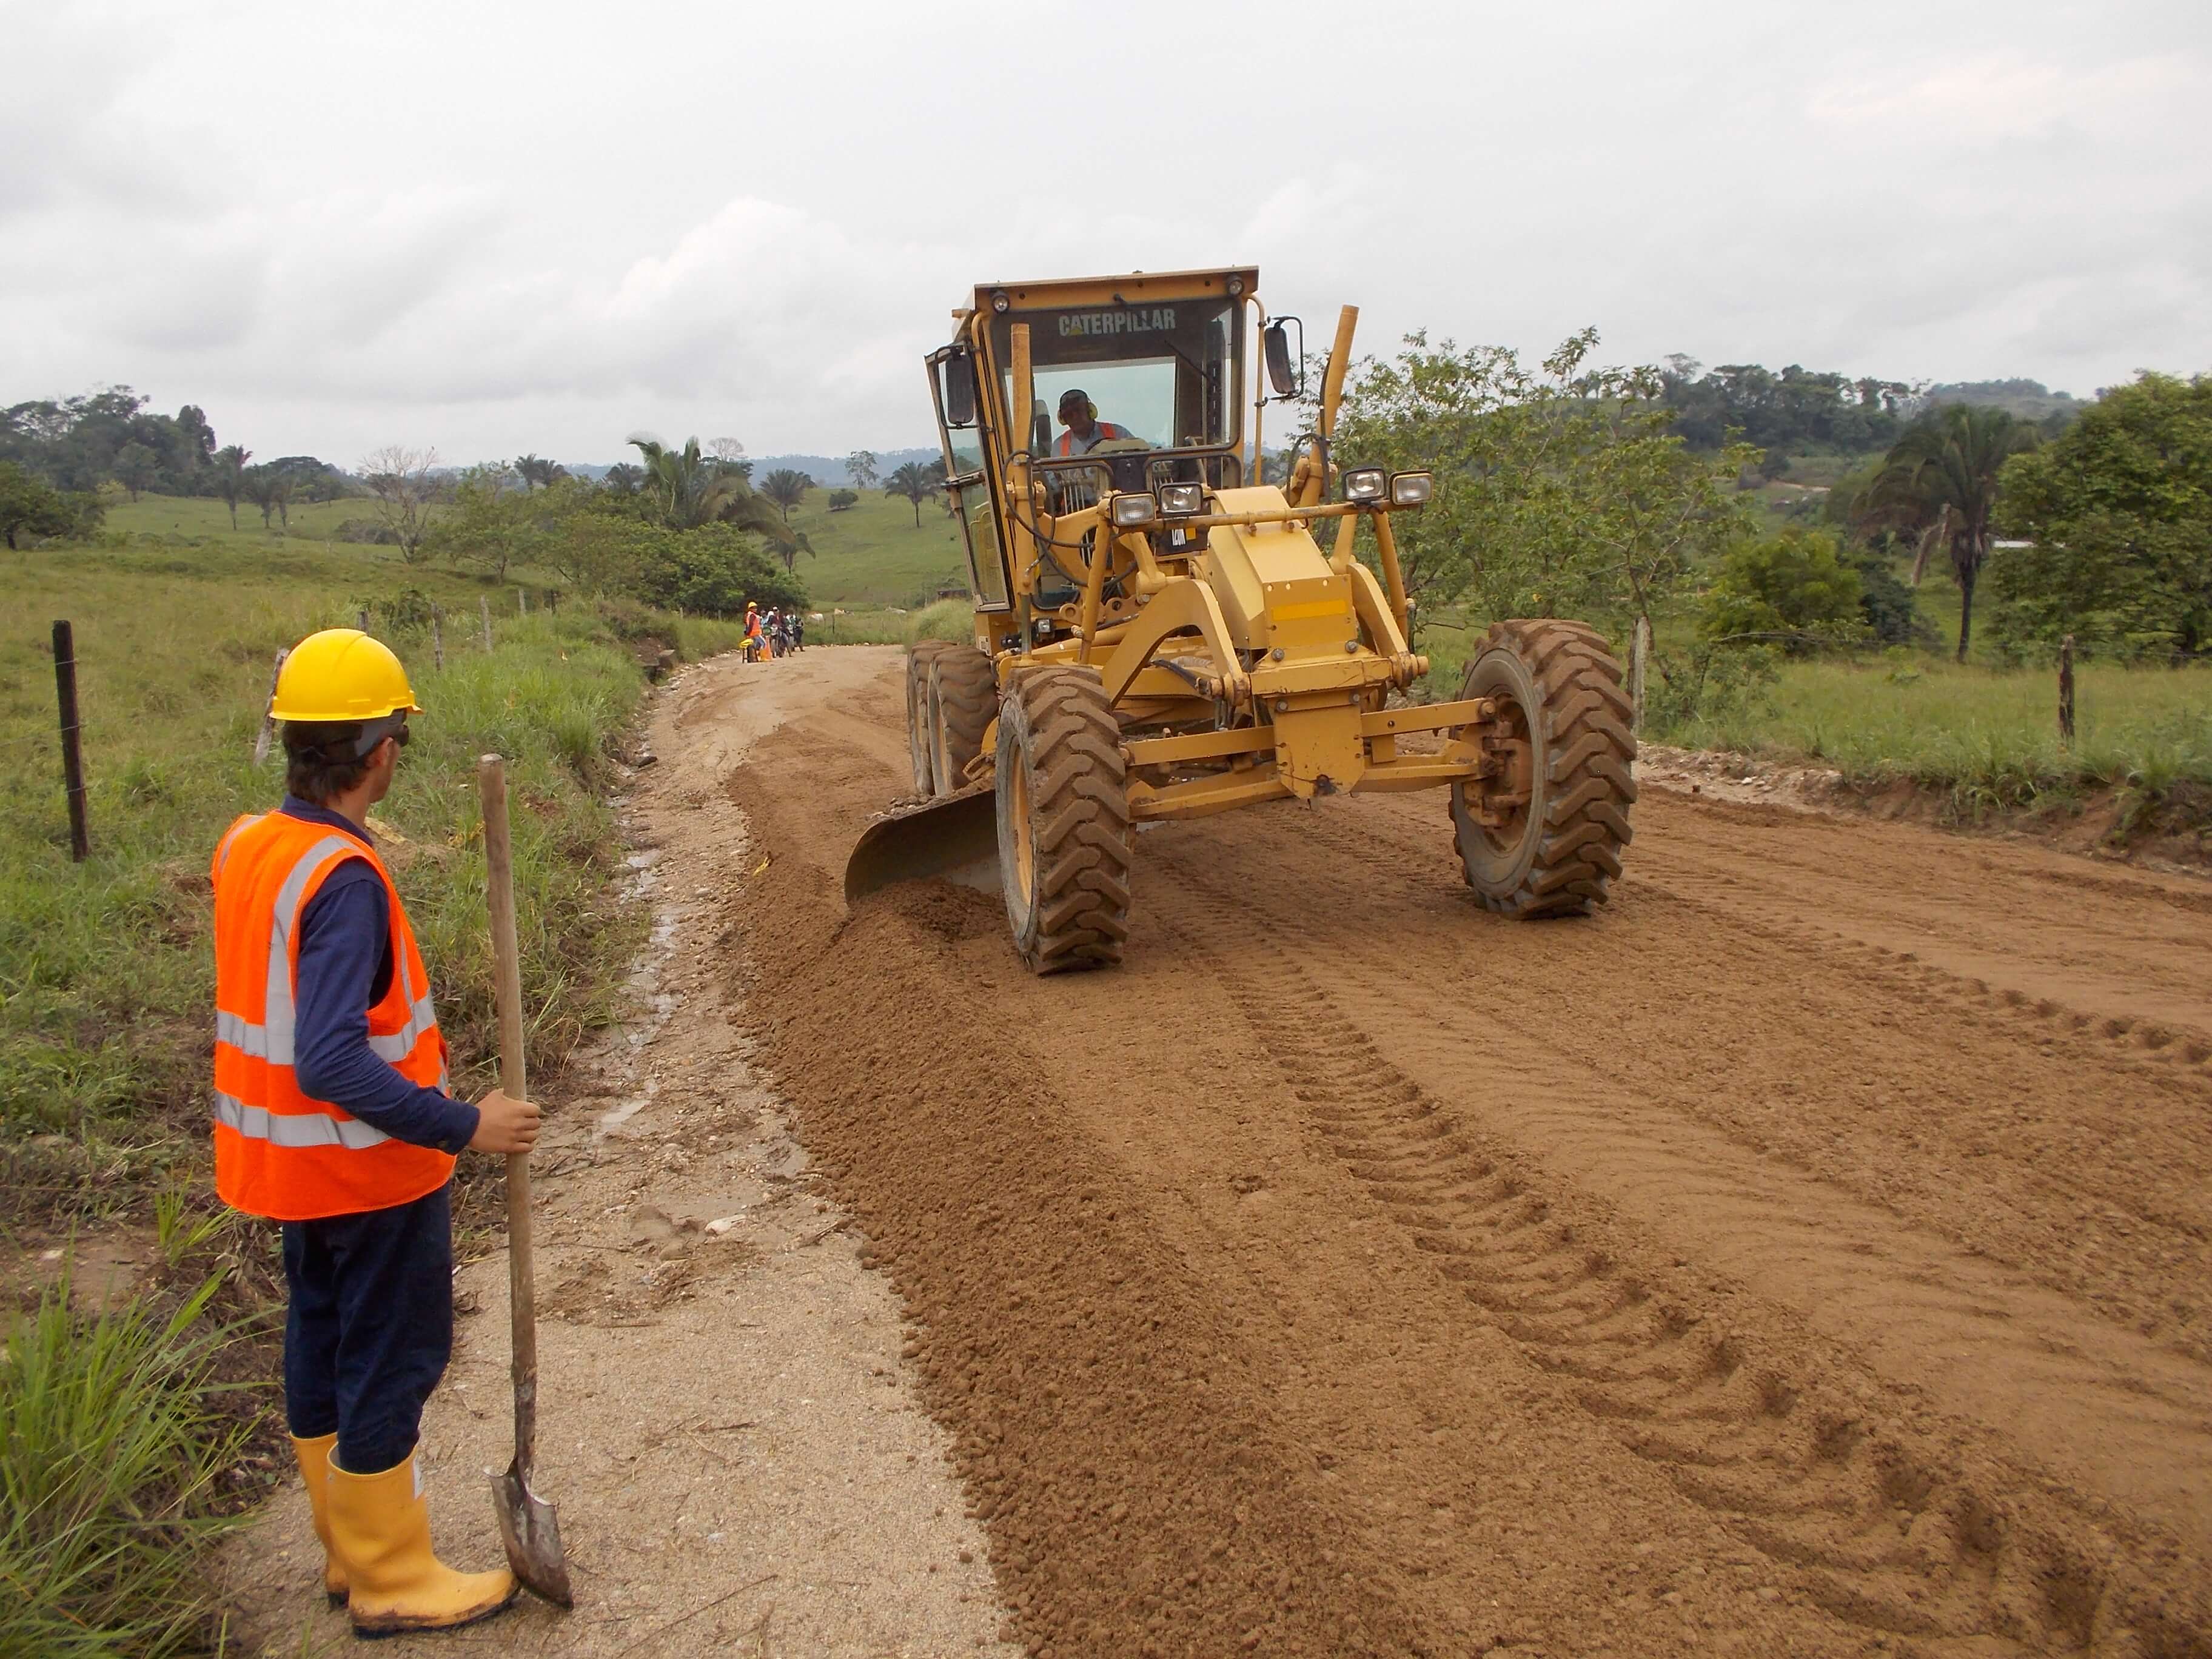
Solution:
(279, 1152)
(1107, 431)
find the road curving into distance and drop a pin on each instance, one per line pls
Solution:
(1808, 1255)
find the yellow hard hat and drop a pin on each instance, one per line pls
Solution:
(342, 674)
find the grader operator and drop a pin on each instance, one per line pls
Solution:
(1160, 634)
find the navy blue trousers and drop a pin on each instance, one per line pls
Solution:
(371, 1326)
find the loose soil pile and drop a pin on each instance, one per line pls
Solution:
(1804, 1255)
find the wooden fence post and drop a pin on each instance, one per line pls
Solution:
(364, 619)
(1639, 656)
(72, 755)
(2066, 691)
(483, 603)
(268, 708)
(437, 640)
(522, 601)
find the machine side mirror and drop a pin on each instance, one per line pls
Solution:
(1285, 376)
(959, 382)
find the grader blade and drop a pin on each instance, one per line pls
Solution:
(952, 838)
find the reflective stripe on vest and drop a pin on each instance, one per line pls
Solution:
(294, 1129)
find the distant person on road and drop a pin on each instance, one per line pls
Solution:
(1085, 431)
(756, 642)
(332, 1118)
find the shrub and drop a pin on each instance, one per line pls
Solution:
(1792, 583)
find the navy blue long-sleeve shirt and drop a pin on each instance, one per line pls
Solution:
(345, 968)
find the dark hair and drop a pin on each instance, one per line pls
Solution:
(324, 758)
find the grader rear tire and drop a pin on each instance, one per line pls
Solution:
(1065, 843)
(964, 697)
(919, 719)
(1558, 852)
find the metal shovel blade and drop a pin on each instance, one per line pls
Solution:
(954, 838)
(531, 1529)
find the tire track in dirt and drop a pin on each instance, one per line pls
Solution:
(2054, 1146)
(1888, 1535)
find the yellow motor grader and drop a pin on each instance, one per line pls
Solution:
(1160, 634)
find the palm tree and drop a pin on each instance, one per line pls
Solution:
(537, 472)
(624, 478)
(911, 482)
(230, 477)
(1939, 482)
(786, 488)
(688, 489)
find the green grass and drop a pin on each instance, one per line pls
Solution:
(872, 555)
(105, 968)
(1991, 735)
(114, 1450)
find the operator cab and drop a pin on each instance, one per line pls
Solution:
(1158, 362)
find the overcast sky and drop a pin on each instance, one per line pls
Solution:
(504, 228)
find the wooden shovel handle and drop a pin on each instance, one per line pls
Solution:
(514, 1080)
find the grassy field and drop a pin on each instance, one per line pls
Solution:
(871, 555)
(105, 965)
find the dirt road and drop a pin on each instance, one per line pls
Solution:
(1808, 1254)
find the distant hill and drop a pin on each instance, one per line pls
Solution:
(2030, 399)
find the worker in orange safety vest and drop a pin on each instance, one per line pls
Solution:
(1085, 431)
(332, 1118)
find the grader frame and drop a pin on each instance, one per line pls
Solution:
(1159, 634)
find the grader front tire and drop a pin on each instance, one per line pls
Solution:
(1558, 851)
(1065, 842)
(920, 718)
(963, 695)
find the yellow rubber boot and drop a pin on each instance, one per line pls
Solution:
(314, 1457)
(381, 1526)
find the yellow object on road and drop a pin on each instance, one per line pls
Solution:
(342, 674)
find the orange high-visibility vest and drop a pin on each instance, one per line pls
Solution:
(1107, 430)
(279, 1152)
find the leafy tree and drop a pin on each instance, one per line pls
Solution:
(1939, 482)
(403, 484)
(911, 483)
(714, 569)
(229, 476)
(1892, 610)
(1560, 491)
(29, 505)
(685, 490)
(841, 500)
(863, 468)
(486, 521)
(1791, 584)
(787, 487)
(2119, 510)
(135, 468)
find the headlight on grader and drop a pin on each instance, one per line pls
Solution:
(1411, 489)
(1364, 483)
(1134, 511)
(1180, 500)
